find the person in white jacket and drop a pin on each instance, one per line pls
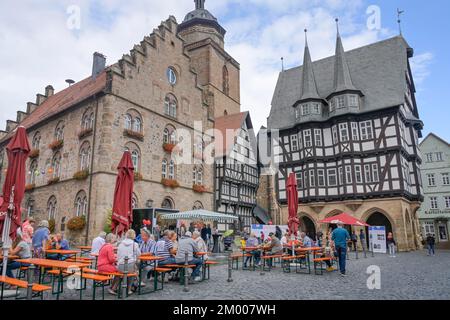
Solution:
(128, 248)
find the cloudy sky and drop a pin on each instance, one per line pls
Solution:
(41, 44)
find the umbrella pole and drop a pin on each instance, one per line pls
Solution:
(6, 242)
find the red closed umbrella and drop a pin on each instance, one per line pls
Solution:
(14, 187)
(122, 216)
(292, 197)
(346, 219)
(17, 151)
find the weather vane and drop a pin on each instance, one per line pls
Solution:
(399, 21)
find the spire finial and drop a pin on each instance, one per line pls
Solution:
(399, 20)
(337, 26)
(199, 4)
(306, 37)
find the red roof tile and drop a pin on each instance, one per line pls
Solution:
(230, 122)
(63, 100)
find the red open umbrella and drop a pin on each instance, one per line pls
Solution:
(292, 197)
(122, 215)
(346, 219)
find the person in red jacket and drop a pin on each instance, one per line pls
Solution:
(107, 261)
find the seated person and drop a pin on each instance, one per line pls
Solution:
(252, 241)
(107, 261)
(189, 246)
(275, 247)
(21, 249)
(201, 244)
(307, 241)
(164, 248)
(147, 246)
(98, 242)
(326, 253)
(59, 243)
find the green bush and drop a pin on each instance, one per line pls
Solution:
(51, 225)
(107, 227)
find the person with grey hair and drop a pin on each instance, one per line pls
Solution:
(128, 248)
(107, 261)
(98, 242)
(40, 239)
(196, 235)
(187, 246)
(340, 236)
(147, 246)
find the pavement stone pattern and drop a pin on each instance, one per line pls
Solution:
(408, 276)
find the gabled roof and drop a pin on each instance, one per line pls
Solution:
(63, 100)
(378, 70)
(233, 123)
(431, 134)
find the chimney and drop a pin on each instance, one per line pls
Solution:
(40, 98)
(31, 107)
(49, 91)
(21, 116)
(98, 64)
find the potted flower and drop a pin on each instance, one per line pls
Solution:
(133, 134)
(53, 180)
(30, 187)
(81, 175)
(34, 153)
(171, 183)
(76, 223)
(169, 147)
(57, 144)
(199, 188)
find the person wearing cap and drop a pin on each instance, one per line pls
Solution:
(274, 246)
(189, 246)
(340, 236)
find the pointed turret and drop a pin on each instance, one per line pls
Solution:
(342, 77)
(309, 86)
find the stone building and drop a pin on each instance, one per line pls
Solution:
(177, 79)
(434, 214)
(348, 128)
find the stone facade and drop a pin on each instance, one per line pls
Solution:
(136, 87)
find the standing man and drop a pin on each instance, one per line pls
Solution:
(340, 236)
(362, 239)
(431, 241)
(354, 240)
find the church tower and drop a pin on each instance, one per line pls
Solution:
(218, 73)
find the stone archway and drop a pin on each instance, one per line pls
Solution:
(377, 217)
(307, 225)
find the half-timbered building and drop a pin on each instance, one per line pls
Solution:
(236, 167)
(349, 129)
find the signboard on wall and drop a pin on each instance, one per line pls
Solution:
(263, 230)
(377, 239)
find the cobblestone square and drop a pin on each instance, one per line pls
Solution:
(409, 276)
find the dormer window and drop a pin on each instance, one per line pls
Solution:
(340, 102)
(353, 101)
(332, 105)
(316, 108)
(305, 109)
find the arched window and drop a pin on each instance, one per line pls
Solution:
(87, 121)
(134, 201)
(128, 122)
(81, 204)
(166, 135)
(197, 175)
(198, 145)
(167, 204)
(30, 207)
(33, 172)
(197, 205)
(170, 106)
(135, 155)
(137, 125)
(59, 131)
(56, 165)
(164, 169)
(36, 140)
(225, 80)
(63, 224)
(52, 208)
(85, 156)
(171, 169)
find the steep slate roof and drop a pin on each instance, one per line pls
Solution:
(378, 70)
(342, 77)
(230, 122)
(309, 86)
(63, 100)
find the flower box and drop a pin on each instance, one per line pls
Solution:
(84, 133)
(76, 223)
(34, 153)
(81, 175)
(53, 181)
(30, 187)
(170, 183)
(133, 134)
(57, 144)
(138, 176)
(199, 188)
(169, 147)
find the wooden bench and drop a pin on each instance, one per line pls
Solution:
(206, 269)
(38, 289)
(235, 259)
(286, 262)
(320, 261)
(271, 257)
(98, 281)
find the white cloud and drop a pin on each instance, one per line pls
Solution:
(420, 66)
(41, 50)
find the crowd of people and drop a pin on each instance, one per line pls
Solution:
(171, 248)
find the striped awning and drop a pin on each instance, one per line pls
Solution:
(200, 214)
